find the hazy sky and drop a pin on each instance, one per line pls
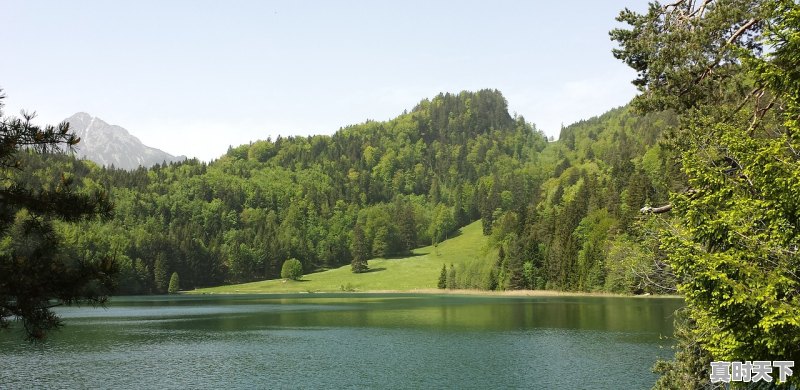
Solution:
(192, 77)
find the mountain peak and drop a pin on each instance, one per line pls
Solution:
(80, 119)
(82, 116)
(113, 145)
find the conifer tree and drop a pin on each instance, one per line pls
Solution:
(174, 283)
(160, 273)
(360, 250)
(730, 70)
(516, 279)
(36, 272)
(442, 278)
(451, 278)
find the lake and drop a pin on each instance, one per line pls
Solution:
(333, 341)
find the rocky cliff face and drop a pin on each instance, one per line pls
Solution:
(113, 145)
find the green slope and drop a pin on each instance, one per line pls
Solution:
(467, 252)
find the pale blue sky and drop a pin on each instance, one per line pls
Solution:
(192, 77)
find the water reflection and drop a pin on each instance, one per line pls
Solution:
(345, 340)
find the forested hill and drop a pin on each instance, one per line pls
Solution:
(403, 183)
(587, 231)
(559, 215)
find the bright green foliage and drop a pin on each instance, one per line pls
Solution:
(637, 265)
(292, 269)
(466, 251)
(442, 223)
(592, 232)
(451, 278)
(591, 187)
(238, 218)
(406, 182)
(730, 70)
(381, 189)
(531, 277)
(174, 283)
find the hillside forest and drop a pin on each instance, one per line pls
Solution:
(560, 215)
(692, 189)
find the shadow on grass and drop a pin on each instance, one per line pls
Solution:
(379, 269)
(406, 256)
(453, 234)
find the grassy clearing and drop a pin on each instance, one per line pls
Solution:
(467, 252)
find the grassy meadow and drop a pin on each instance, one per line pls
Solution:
(467, 251)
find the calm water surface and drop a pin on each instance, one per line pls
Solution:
(337, 341)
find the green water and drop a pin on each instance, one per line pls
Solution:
(335, 341)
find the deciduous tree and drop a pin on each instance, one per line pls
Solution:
(292, 269)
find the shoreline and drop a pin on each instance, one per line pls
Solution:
(468, 292)
(520, 293)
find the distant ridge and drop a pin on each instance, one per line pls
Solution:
(109, 145)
